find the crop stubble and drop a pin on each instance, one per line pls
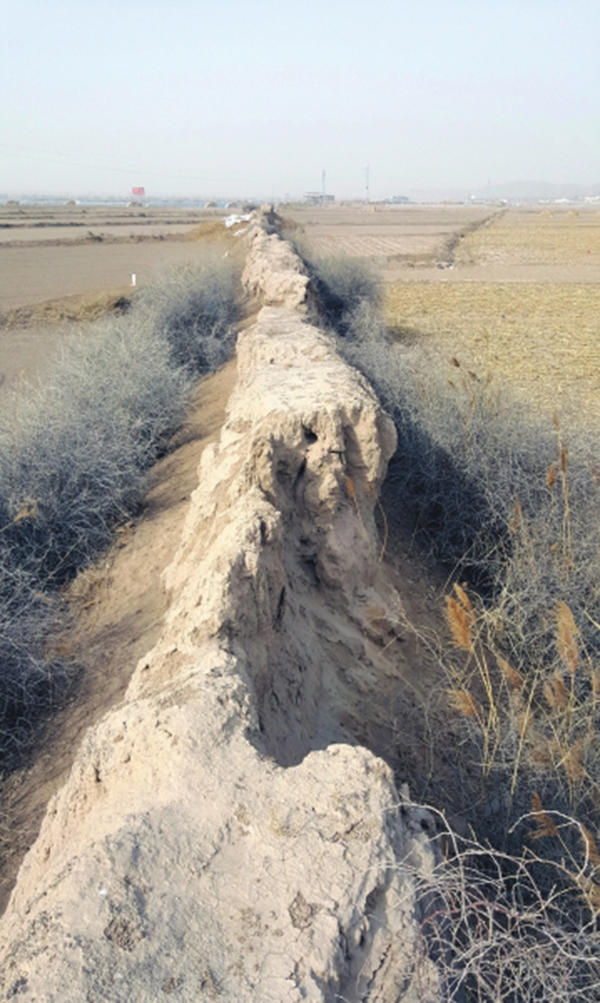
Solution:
(540, 339)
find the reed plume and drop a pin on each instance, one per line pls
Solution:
(566, 637)
(460, 621)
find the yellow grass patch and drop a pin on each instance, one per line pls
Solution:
(543, 339)
(208, 230)
(534, 237)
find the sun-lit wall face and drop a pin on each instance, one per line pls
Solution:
(188, 98)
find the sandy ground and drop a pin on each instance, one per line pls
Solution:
(49, 252)
(116, 608)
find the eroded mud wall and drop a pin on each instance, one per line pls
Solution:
(222, 834)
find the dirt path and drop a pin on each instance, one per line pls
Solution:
(116, 608)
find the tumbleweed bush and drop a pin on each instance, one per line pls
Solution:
(193, 310)
(73, 452)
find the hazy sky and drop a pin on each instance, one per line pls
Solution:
(192, 97)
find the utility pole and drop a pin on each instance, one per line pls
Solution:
(367, 184)
(323, 189)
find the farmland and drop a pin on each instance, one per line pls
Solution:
(52, 252)
(514, 295)
(63, 265)
(392, 238)
(541, 339)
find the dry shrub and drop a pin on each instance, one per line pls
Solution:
(538, 724)
(495, 932)
(347, 292)
(73, 453)
(193, 310)
(469, 482)
(496, 496)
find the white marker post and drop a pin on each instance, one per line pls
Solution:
(133, 278)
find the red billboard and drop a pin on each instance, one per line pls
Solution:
(138, 190)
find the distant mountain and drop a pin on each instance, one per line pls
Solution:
(513, 191)
(541, 190)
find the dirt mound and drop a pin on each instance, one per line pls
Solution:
(274, 273)
(68, 308)
(222, 833)
(209, 230)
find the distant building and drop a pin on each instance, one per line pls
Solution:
(399, 200)
(318, 198)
